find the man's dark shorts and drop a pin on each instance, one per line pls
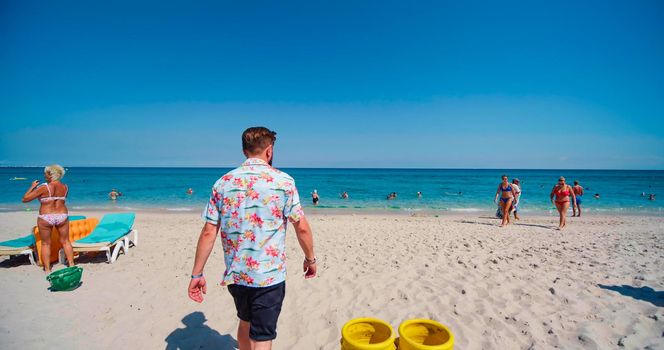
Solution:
(260, 307)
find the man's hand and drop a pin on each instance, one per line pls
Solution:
(197, 289)
(203, 249)
(309, 269)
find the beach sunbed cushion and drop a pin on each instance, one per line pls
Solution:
(23, 242)
(111, 228)
(29, 240)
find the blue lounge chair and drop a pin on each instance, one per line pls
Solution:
(113, 231)
(25, 245)
(19, 246)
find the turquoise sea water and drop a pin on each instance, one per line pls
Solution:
(443, 190)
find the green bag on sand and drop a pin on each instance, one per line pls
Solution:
(66, 279)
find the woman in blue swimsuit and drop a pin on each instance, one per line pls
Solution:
(506, 194)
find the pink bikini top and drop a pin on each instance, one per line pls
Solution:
(51, 197)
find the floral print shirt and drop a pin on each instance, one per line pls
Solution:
(250, 205)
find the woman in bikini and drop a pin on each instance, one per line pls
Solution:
(562, 192)
(52, 212)
(506, 193)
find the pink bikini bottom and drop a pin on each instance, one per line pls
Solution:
(54, 219)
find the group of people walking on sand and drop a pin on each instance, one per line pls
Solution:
(562, 195)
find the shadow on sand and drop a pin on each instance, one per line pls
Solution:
(643, 293)
(87, 258)
(14, 261)
(198, 335)
(476, 223)
(535, 225)
(515, 224)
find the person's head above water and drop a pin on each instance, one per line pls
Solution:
(258, 142)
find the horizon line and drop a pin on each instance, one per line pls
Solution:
(349, 168)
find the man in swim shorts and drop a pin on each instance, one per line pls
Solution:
(517, 197)
(578, 191)
(249, 207)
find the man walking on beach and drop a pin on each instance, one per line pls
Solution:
(517, 197)
(249, 207)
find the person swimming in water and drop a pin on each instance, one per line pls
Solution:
(578, 191)
(564, 195)
(190, 191)
(506, 192)
(344, 195)
(419, 194)
(114, 194)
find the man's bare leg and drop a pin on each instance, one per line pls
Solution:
(246, 343)
(261, 345)
(243, 340)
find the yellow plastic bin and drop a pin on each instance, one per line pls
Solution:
(421, 334)
(367, 334)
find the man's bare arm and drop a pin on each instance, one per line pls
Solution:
(305, 237)
(204, 248)
(306, 240)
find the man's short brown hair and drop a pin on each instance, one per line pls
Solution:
(256, 139)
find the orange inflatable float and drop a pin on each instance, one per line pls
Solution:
(77, 230)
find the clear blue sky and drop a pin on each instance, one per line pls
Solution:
(501, 84)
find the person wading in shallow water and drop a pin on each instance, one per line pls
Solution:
(314, 197)
(578, 192)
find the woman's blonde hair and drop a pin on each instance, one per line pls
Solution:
(55, 172)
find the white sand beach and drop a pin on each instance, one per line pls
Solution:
(597, 285)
